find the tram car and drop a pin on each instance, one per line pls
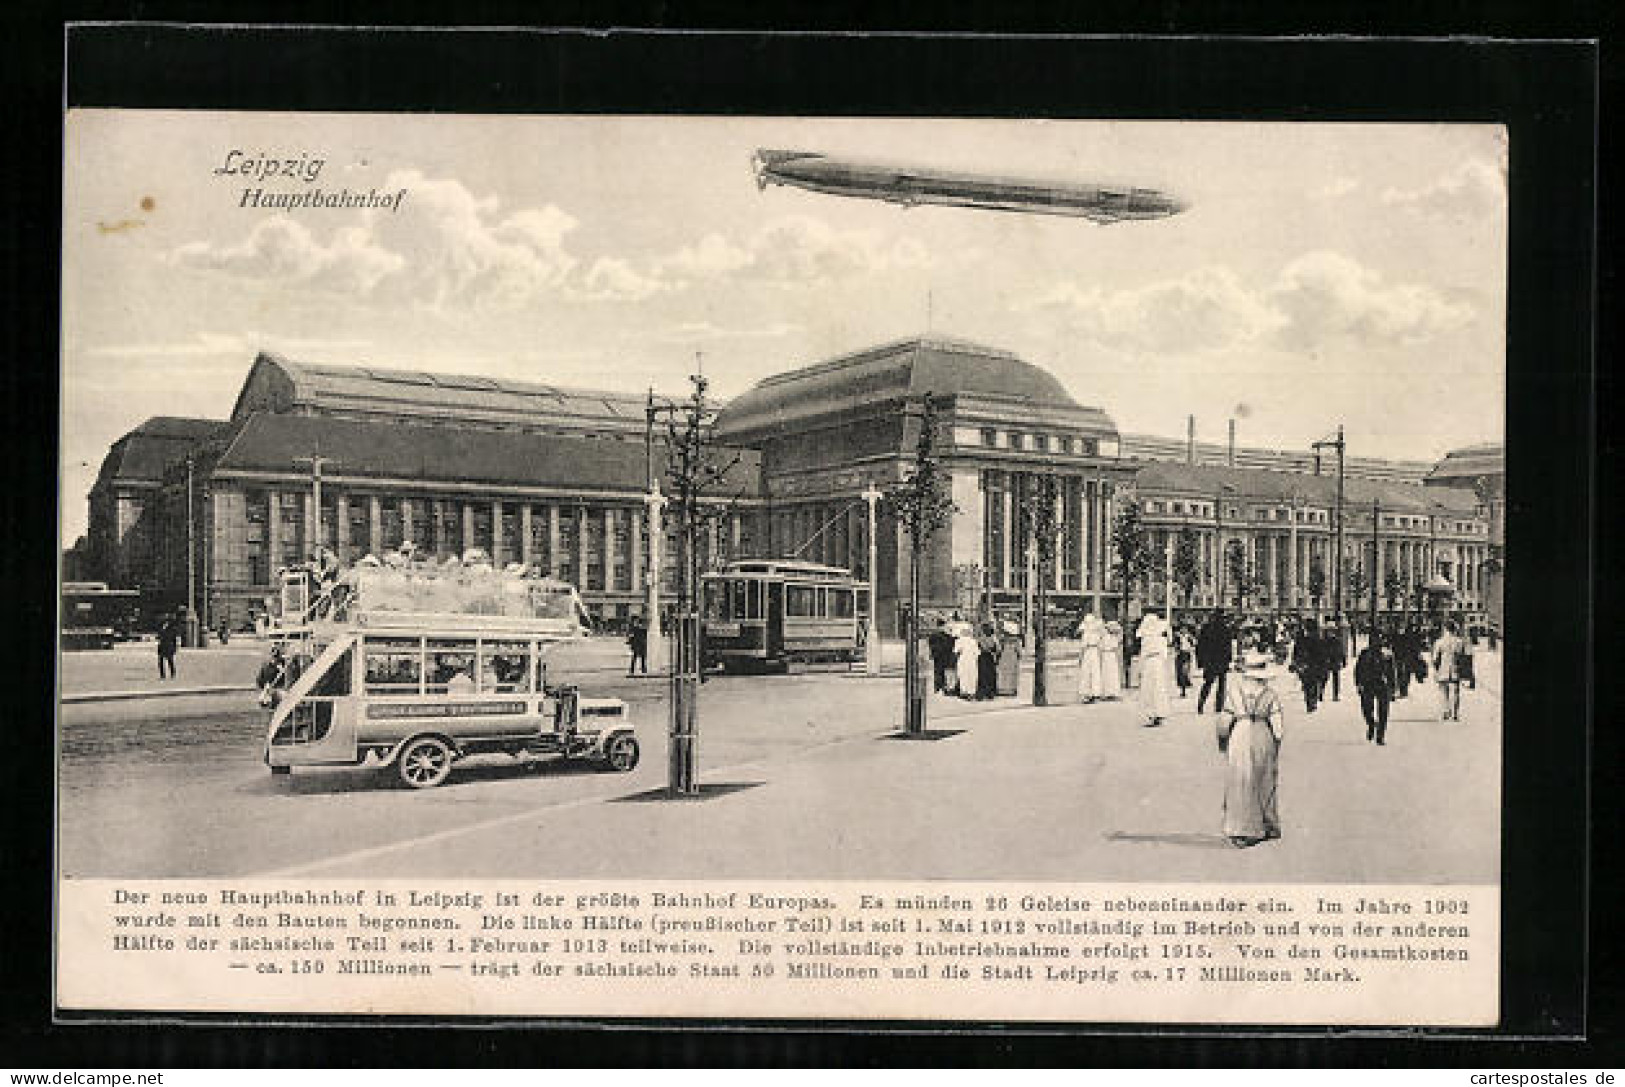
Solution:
(765, 613)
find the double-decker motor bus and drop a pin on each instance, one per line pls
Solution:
(770, 612)
(416, 667)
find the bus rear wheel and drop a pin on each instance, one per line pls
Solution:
(425, 763)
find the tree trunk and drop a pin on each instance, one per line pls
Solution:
(913, 694)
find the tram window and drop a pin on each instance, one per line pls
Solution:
(843, 603)
(823, 603)
(715, 599)
(337, 680)
(736, 599)
(394, 666)
(505, 668)
(753, 600)
(800, 600)
(450, 666)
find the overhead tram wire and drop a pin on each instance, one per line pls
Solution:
(825, 527)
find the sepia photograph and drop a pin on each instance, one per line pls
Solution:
(630, 497)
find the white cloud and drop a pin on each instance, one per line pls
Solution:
(801, 249)
(613, 279)
(1325, 296)
(712, 255)
(448, 249)
(284, 249)
(1206, 310)
(797, 249)
(1315, 300)
(445, 248)
(1472, 189)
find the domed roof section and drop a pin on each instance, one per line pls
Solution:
(912, 367)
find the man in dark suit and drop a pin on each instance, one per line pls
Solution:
(169, 639)
(1308, 660)
(637, 640)
(1335, 653)
(941, 645)
(1374, 678)
(1213, 652)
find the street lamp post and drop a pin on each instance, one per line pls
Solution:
(1168, 580)
(1376, 543)
(653, 560)
(191, 562)
(871, 644)
(1338, 444)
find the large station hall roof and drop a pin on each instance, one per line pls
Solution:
(907, 368)
(281, 385)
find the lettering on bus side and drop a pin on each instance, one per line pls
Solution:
(383, 711)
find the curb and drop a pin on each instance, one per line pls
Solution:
(125, 696)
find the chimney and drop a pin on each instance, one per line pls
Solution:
(1190, 439)
(1230, 458)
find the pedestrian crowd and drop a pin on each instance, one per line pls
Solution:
(1236, 664)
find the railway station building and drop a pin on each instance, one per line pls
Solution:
(209, 510)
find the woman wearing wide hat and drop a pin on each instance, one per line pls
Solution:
(1249, 732)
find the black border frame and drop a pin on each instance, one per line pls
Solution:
(1544, 91)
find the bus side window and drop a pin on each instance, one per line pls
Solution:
(450, 666)
(505, 667)
(394, 665)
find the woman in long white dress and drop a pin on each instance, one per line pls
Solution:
(1250, 731)
(1090, 633)
(1111, 661)
(967, 654)
(1154, 668)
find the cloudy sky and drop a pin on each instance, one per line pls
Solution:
(1323, 274)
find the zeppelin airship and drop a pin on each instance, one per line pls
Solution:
(912, 185)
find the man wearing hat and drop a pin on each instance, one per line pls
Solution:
(1374, 678)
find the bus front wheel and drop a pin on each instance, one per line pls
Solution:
(425, 763)
(621, 754)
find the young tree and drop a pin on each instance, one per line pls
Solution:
(1187, 562)
(1317, 580)
(1393, 584)
(694, 472)
(923, 503)
(1132, 562)
(1236, 570)
(1357, 584)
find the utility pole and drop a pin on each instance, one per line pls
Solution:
(871, 643)
(653, 560)
(316, 462)
(192, 617)
(1376, 518)
(1042, 528)
(1337, 515)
